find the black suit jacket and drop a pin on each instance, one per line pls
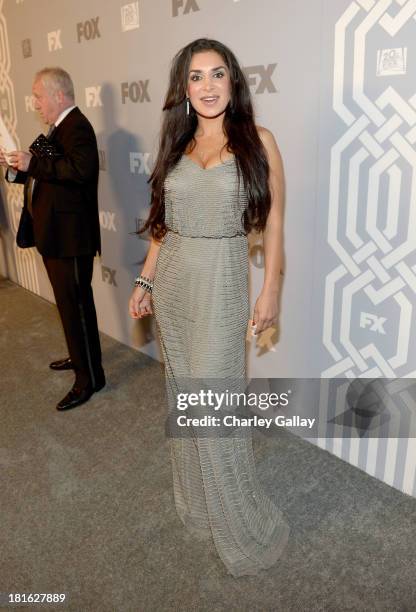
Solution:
(65, 194)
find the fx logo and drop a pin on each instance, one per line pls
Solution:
(54, 40)
(102, 159)
(261, 76)
(139, 224)
(107, 220)
(93, 96)
(373, 322)
(27, 47)
(139, 163)
(256, 255)
(136, 91)
(108, 275)
(29, 103)
(190, 5)
(88, 30)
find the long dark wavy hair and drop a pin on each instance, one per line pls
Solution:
(243, 141)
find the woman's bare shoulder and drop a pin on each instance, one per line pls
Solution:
(266, 136)
(268, 140)
(262, 131)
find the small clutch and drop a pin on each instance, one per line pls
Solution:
(42, 147)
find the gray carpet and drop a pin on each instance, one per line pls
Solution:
(87, 506)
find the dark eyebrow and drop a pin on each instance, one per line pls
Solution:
(212, 69)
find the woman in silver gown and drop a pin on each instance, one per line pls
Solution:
(217, 177)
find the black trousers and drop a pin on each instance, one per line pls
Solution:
(71, 278)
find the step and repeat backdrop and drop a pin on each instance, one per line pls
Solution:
(334, 80)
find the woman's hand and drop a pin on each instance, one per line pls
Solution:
(140, 303)
(266, 310)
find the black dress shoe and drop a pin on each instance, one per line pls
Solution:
(62, 364)
(75, 397)
(99, 384)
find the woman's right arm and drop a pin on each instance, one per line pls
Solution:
(140, 301)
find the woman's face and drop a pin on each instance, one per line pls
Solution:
(209, 85)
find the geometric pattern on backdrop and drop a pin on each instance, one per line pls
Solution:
(372, 197)
(25, 258)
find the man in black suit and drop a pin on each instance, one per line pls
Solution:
(61, 195)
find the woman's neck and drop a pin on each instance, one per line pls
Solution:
(210, 128)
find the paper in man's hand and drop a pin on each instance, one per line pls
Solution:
(6, 140)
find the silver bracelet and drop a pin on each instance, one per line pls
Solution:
(145, 282)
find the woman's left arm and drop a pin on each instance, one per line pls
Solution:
(266, 307)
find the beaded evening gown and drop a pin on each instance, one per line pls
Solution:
(200, 299)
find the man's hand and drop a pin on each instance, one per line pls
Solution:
(19, 160)
(3, 160)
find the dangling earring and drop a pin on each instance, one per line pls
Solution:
(187, 106)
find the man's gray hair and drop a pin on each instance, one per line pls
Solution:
(57, 79)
